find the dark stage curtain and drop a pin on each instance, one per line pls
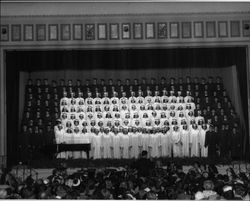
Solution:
(126, 59)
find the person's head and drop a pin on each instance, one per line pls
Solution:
(227, 192)
(144, 154)
(239, 190)
(208, 185)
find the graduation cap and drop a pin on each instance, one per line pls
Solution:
(58, 121)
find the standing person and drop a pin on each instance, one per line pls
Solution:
(160, 144)
(96, 144)
(185, 138)
(143, 165)
(140, 141)
(166, 142)
(116, 144)
(153, 144)
(125, 143)
(145, 139)
(235, 144)
(102, 142)
(176, 140)
(107, 144)
(134, 143)
(210, 143)
(194, 132)
(202, 138)
(223, 138)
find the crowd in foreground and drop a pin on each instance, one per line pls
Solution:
(142, 179)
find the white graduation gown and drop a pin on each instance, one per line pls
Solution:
(160, 143)
(166, 144)
(185, 139)
(176, 139)
(134, 144)
(194, 142)
(145, 141)
(107, 144)
(153, 144)
(116, 145)
(97, 146)
(125, 145)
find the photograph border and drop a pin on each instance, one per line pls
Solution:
(49, 31)
(110, 31)
(231, 28)
(44, 32)
(141, 31)
(62, 32)
(129, 25)
(146, 30)
(8, 32)
(24, 32)
(19, 32)
(158, 30)
(86, 35)
(214, 31)
(106, 31)
(219, 30)
(74, 32)
(243, 29)
(170, 30)
(190, 29)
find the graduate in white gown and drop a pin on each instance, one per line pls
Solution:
(160, 141)
(166, 142)
(125, 143)
(194, 134)
(107, 143)
(64, 101)
(116, 144)
(101, 133)
(185, 139)
(134, 143)
(202, 137)
(96, 145)
(153, 143)
(176, 141)
(145, 139)
(139, 134)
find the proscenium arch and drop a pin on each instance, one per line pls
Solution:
(3, 81)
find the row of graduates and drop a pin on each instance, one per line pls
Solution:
(75, 125)
(132, 99)
(184, 141)
(109, 87)
(168, 107)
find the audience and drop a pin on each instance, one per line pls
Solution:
(140, 180)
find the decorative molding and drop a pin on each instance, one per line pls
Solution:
(132, 14)
(114, 31)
